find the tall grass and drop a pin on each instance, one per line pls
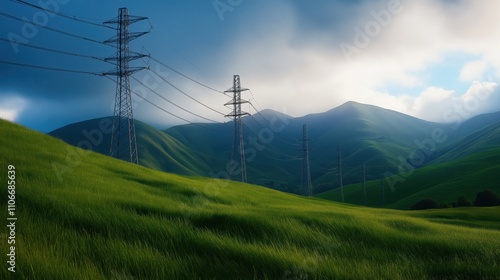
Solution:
(113, 220)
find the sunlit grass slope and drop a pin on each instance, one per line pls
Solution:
(112, 220)
(443, 182)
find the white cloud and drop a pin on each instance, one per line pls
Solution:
(442, 106)
(430, 103)
(9, 115)
(315, 76)
(473, 70)
(11, 107)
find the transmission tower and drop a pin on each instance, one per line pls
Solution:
(123, 138)
(238, 150)
(364, 184)
(339, 169)
(306, 171)
(383, 191)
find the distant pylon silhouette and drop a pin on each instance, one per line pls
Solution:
(339, 173)
(123, 138)
(238, 149)
(307, 188)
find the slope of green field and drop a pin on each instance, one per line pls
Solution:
(81, 215)
(443, 182)
(482, 139)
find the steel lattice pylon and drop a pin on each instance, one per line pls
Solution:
(306, 171)
(123, 138)
(238, 150)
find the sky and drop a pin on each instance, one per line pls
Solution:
(436, 60)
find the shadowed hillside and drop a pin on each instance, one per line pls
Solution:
(381, 139)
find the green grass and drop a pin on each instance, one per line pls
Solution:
(113, 220)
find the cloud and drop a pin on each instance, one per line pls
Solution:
(314, 75)
(289, 54)
(473, 70)
(430, 103)
(9, 115)
(438, 104)
(11, 107)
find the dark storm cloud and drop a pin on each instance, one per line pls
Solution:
(282, 48)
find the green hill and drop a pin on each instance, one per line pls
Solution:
(107, 219)
(156, 149)
(366, 134)
(476, 141)
(443, 182)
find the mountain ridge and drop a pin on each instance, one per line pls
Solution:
(366, 134)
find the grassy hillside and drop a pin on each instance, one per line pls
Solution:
(444, 182)
(476, 141)
(107, 219)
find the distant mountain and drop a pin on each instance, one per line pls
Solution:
(156, 149)
(479, 140)
(476, 123)
(379, 138)
(474, 135)
(273, 140)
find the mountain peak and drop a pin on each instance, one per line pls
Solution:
(269, 113)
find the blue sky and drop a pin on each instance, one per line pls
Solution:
(418, 57)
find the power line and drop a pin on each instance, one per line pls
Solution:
(180, 54)
(258, 113)
(172, 114)
(187, 77)
(162, 97)
(164, 110)
(184, 93)
(53, 29)
(60, 14)
(55, 51)
(281, 133)
(49, 68)
(259, 123)
(257, 110)
(158, 107)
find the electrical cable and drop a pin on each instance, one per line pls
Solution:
(56, 51)
(165, 111)
(256, 110)
(180, 54)
(187, 77)
(60, 14)
(55, 30)
(184, 93)
(255, 120)
(50, 68)
(174, 104)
